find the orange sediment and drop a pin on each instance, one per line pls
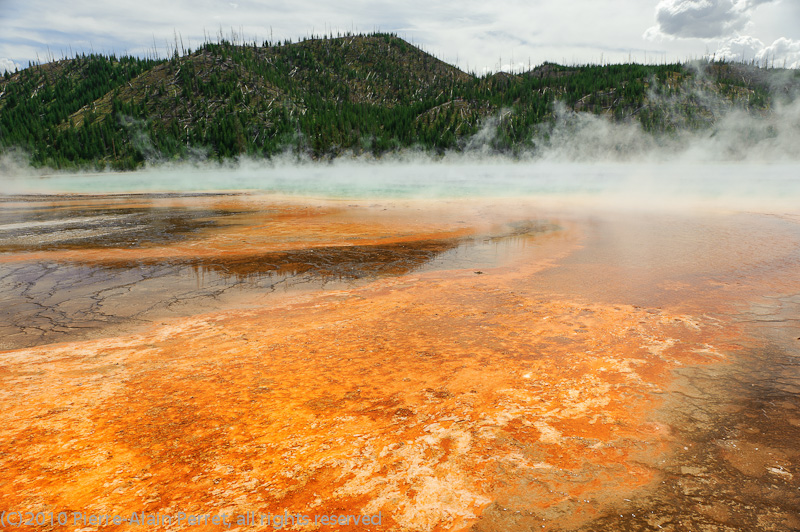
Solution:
(442, 400)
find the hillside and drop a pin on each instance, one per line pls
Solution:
(328, 96)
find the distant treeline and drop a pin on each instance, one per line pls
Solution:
(324, 97)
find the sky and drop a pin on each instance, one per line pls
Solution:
(477, 36)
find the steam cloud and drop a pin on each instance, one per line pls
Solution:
(742, 159)
(736, 135)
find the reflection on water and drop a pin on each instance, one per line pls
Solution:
(696, 262)
(29, 223)
(50, 301)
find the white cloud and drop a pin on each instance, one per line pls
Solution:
(7, 65)
(739, 48)
(783, 52)
(518, 66)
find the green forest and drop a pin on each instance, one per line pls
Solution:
(329, 96)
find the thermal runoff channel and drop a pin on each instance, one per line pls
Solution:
(428, 346)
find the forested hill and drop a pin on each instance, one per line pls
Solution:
(368, 93)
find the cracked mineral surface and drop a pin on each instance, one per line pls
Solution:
(476, 365)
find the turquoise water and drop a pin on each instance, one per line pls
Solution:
(623, 182)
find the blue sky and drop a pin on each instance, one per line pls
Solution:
(475, 35)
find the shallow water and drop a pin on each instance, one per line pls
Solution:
(51, 300)
(624, 185)
(46, 302)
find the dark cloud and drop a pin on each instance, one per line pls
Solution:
(705, 19)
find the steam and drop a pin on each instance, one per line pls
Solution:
(137, 132)
(586, 138)
(637, 186)
(742, 160)
(140, 139)
(736, 136)
(481, 143)
(16, 163)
